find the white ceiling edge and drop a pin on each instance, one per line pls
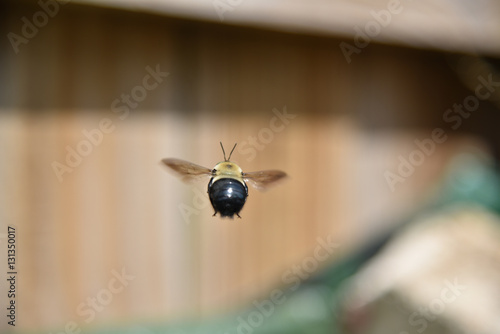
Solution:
(450, 25)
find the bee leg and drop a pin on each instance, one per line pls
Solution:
(238, 216)
(214, 214)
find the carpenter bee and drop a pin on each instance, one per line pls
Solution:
(227, 188)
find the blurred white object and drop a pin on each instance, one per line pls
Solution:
(441, 275)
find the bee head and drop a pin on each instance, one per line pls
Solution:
(227, 168)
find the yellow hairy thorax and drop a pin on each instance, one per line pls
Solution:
(226, 169)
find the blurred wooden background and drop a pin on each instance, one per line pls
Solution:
(120, 209)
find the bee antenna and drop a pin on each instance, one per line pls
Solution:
(232, 151)
(223, 151)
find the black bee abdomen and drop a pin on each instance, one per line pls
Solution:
(227, 196)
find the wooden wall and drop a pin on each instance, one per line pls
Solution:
(118, 209)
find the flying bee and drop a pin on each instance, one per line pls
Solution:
(227, 188)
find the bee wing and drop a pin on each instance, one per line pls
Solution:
(264, 179)
(186, 170)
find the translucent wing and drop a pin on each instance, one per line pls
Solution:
(264, 179)
(186, 170)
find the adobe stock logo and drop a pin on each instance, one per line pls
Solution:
(222, 6)
(291, 279)
(95, 136)
(265, 136)
(372, 29)
(199, 202)
(454, 117)
(30, 28)
(426, 314)
(407, 165)
(89, 308)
